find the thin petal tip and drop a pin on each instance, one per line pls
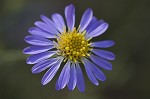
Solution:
(25, 50)
(104, 79)
(43, 82)
(90, 10)
(71, 5)
(34, 70)
(30, 29)
(28, 61)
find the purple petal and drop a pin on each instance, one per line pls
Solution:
(70, 16)
(37, 40)
(43, 65)
(99, 30)
(103, 44)
(80, 78)
(47, 21)
(97, 72)
(66, 10)
(39, 57)
(89, 72)
(57, 86)
(37, 49)
(51, 73)
(104, 54)
(73, 78)
(101, 62)
(64, 76)
(59, 22)
(85, 20)
(39, 32)
(95, 25)
(94, 19)
(46, 27)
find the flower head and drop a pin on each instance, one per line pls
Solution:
(54, 42)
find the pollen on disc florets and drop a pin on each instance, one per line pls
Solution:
(73, 45)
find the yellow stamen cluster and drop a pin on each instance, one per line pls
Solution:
(73, 45)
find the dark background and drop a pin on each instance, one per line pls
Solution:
(129, 27)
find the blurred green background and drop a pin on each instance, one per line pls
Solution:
(129, 27)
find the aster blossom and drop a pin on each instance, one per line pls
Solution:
(55, 44)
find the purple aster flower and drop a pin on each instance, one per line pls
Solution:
(53, 42)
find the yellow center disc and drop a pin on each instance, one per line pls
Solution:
(73, 45)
